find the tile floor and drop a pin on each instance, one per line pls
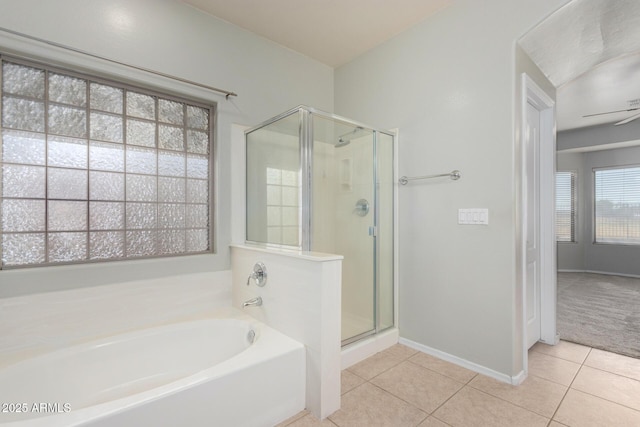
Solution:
(568, 385)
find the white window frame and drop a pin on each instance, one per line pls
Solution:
(574, 205)
(622, 241)
(157, 94)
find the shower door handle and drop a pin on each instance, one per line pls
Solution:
(362, 207)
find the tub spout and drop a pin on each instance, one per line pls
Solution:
(253, 302)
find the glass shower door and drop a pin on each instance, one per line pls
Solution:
(343, 215)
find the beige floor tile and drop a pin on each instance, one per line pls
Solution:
(556, 424)
(433, 422)
(349, 381)
(310, 421)
(584, 410)
(471, 407)
(618, 389)
(443, 367)
(419, 386)
(535, 394)
(564, 350)
(368, 405)
(615, 363)
(400, 351)
(382, 361)
(552, 368)
(297, 416)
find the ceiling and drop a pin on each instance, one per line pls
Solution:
(331, 31)
(590, 50)
(611, 86)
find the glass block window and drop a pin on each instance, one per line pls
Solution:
(93, 170)
(617, 205)
(283, 211)
(566, 206)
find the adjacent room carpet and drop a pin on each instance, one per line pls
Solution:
(600, 311)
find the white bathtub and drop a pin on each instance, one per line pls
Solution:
(198, 373)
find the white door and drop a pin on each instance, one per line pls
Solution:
(532, 226)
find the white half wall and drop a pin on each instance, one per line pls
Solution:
(301, 299)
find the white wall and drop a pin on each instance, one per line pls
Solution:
(449, 85)
(172, 38)
(585, 255)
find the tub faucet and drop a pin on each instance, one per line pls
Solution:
(253, 302)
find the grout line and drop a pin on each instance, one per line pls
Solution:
(353, 373)
(381, 372)
(468, 384)
(607, 400)
(612, 373)
(562, 358)
(513, 403)
(433, 416)
(475, 374)
(569, 387)
(445, 402)
(405, 401)
(595, 395)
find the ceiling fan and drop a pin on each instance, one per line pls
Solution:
(634, 105)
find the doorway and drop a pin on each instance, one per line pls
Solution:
(613, 27)
(538, 225)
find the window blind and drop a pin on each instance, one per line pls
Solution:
(617, 205)
(566, 206)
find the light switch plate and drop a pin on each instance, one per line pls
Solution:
(475, 216)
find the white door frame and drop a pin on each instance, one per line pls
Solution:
(534, 95)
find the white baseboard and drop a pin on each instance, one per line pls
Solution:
(607, 273)
(360, 350)
(513, 380)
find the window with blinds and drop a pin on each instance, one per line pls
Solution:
(93, 170)
(566, 206)
(617, 205)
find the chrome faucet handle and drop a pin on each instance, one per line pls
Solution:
(259, 274)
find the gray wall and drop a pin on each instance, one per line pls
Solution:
(170, 37)
(585, 255)
(450, 86)
(598, 135)
(571, 254)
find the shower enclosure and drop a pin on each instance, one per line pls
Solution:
(322, 183)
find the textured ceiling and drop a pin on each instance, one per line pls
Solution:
(331, 31)
(589, 51)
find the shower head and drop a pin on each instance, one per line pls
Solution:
(342, 142)
(341, 139)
